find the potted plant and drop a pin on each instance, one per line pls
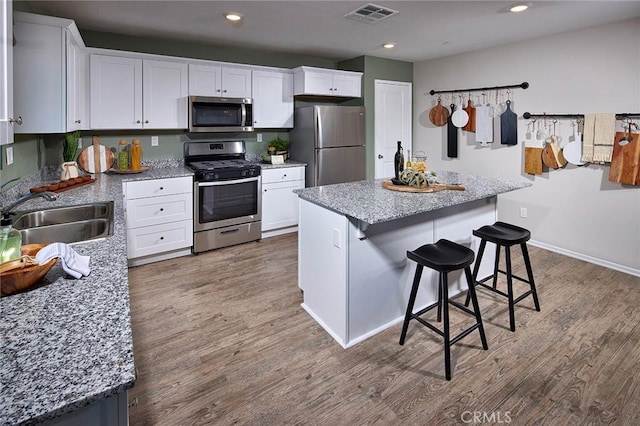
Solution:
(70, 148)
(278, 146)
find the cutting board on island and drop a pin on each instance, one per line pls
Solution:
(387, 184)
(96, 158)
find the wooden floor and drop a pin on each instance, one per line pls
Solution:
(220, 338)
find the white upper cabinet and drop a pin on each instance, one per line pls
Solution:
(326, 82)
(6, 73)
(48, 74)
(221, 81)
(272, 99)
(130, 93)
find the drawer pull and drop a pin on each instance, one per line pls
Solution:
(161, 188)
(231, 231)
(162, 238)
(161, 209)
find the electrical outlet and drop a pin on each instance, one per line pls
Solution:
(9, 155)
(523, 212)
(79, 143)
(259, 137)
(154, 141)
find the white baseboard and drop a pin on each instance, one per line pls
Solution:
(281, 231)
(587, 258)
(138, 261)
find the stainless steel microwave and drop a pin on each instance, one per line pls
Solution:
(213, 114)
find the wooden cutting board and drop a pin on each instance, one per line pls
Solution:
(533, 160)
(438, 115)
(96, 158)
(471, 124)
(625, 160)
(387, 184)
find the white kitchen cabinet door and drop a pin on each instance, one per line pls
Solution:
(347, 85)
(272, 99)
(327, 82)
(280, 205)
(319, 83)
(39, 78)
(77, 72)
(116, 92)
(214, 80)
(165, 90)
(6, 69)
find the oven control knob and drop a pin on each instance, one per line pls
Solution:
(216, 176)
(245, 173)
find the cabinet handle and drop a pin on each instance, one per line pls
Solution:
(380, 156)
(161, 209)
(146, 121)
(78, 121)
(224, 91)
(18, 120)
(265, 190)
(138, 122)
(284, 176)
(218, 90)
(162, 238)
(161, 188)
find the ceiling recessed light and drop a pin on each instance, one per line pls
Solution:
(233, 16)
(519, 7)
(389, 45)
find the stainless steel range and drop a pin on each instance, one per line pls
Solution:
(227, 194)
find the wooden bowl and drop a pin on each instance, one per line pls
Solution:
(17, 280)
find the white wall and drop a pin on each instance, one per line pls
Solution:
(575, 210)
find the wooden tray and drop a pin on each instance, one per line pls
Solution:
(387, 184)
(21, 279)
(55, 187)
(128, 171)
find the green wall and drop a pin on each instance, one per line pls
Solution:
(375, 69)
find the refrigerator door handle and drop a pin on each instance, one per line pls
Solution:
(318, 129)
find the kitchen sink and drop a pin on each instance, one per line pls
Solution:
(71, 224)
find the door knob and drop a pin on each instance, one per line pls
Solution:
(380, 156)
(18, 120)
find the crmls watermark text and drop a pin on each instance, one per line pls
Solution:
(486, 417)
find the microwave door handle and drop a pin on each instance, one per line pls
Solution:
(227, 182)
(244, 115)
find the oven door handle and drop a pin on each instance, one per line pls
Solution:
(226, 182)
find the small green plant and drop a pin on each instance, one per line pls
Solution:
(279, 144)
(70, 146)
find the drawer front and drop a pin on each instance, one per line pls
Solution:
(159, 238)
(158, 187)
(157, 210)
(282, 174)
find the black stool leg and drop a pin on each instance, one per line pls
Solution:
(527, 263)
(444, 284)
(476, 267)
(476, 307)
(439, 317)
(496, 266)
(412, 300)
(512, 314)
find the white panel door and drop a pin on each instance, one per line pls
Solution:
(392, 123)
(6, 72)
(116, 92)
(164, 93)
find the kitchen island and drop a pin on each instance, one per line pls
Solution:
(353, 239)
(66, 355)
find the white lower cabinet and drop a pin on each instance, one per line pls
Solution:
(279, 202)
(159, 216)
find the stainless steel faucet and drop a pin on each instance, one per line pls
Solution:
(49, 196)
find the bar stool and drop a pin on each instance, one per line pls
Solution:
(505, 235)
(444, 256)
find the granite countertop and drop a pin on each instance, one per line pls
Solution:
(370, 203)
(69, 343)
(288, 163)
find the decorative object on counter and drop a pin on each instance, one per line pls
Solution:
(23, 273)
(10, 239)
(136, 155)
(408, 158)
(278, 146)
(415, 178)
(398, 161)
(73, 263)
(123, 155)
(128, 171)
(625, 161)
(65, 185)
(439, 114)
(96, 158)
(419, 161)
(70, 149)
(598, 137)
(436, 187)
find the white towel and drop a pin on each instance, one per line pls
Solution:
(484, 124)
(598, 137)
(73, 263)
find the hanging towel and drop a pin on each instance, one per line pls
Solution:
(73, 263)
(598, 137)
(484, 124)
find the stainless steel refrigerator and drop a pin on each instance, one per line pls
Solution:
(330, 139)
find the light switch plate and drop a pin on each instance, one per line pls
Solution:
(259, 137)
(154, 141)
(9, 155)
(79, 143)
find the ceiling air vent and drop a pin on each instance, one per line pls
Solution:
(370, 13)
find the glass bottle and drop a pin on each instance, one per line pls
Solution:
(123, 155)
(10, 240)
(398, 162)
(136, 155)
